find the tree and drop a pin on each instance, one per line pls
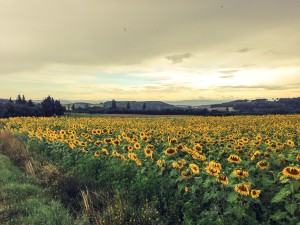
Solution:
(113, 104)
(48, 107)
(128, 106)
(30, 103)
(144, 106)
(23, 101)
(19, 100)
(59, 109)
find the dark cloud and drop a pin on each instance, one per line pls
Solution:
(178, 58)
(242, 50)
(260, 87)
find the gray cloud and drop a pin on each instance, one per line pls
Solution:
(178, 58)
(242, 50)
(260, 87)
(228, 71)
(36, 34)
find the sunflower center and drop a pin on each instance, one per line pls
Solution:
(293, 171)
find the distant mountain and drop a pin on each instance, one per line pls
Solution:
(138, 105)
(195, 102)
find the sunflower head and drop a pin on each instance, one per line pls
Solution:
(137, 145)
(212, 170)
(170, 151)
(186, 174)
(240, 173)
(148, 152)
(97, 153)
(255, 193)
(242, 189)
(161, 163)
(292, 172)
(234, 159)
(194, 168)
(263, 164)
(222, 179)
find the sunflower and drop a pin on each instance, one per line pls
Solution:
(173, 140)
(138, 162)
(161, 163)
(107, 140)
(215, 165)
(98, 142)
(105, 151)
(298, 158)
(186, 189)
(97, 153)
(242, 189)
(255, 193)
(132, 156)
(186, 174)
(72, 145)
(229, 146)
(170, 151)
(263, 164)
(145, 138)
(255, 155)
(148, 152)
(195, 169)
(85, 150)
(212, 170)
(234, 159)
(137, 145)
(222, 179)
(94, 131)
(198, 148)
(241, 173)
(81, 143)
(115, 153)
(116, 142)
(179, 147)
(199, 156)
(62, 132)
(290, 143)
(292, 171)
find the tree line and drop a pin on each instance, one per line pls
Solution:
(22, 107)
(240, 107)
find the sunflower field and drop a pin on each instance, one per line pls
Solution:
(193, 170)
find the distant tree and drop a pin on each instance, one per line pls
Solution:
(23, 101)
(144, 106)
(113, 104)
(48, 107)
(59, 109)
(10, 101)
(30, 103)
(73, 107)
(128, 106)
(19, 100)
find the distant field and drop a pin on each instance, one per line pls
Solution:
(182, 169)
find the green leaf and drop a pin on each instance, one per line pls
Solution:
(239, 212)
(281, 194)
(291, 208)
(232, 197)
(279, 215)
(297, 196)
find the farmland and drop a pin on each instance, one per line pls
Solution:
(177, 169)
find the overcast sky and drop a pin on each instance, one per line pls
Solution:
(150, 49)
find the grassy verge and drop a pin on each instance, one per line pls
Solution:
(22, 202)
